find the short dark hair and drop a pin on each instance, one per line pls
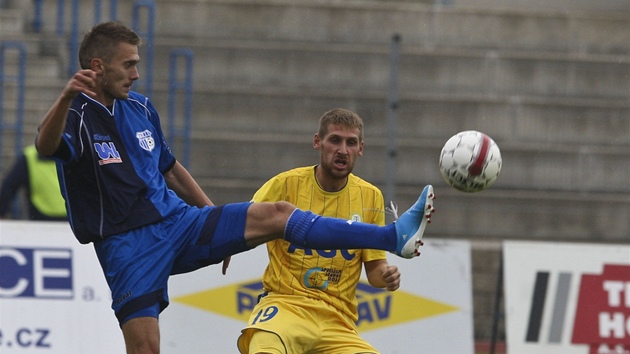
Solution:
(340, 116)
(101, 42)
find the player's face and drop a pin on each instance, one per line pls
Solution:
(339, 151)
(119, 73)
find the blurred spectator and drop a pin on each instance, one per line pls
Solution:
(38, 177)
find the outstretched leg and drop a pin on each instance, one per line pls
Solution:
(268, 221)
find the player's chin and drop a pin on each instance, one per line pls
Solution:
(341, 174)
(124, 92)
(123, 95)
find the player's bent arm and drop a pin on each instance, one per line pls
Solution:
(184, 185)
(53, 124)
(52, 127)
(382, 275)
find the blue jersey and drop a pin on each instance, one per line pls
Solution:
(112, 164)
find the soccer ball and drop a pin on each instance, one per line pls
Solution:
(470, 161)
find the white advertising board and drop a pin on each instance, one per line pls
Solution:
(571, 298)
(53, 296)
(54, 299)
(430, 313)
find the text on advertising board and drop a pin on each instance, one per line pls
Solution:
(36, 272)
(602, 318)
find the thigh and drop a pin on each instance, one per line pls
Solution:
(265, 342)
(136, 266)
(214, 234)
(340, 337)
(291, 318)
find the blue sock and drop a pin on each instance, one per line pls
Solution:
(308, 230)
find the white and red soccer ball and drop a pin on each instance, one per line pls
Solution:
(470, 161)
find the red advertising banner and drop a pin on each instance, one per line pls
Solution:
(602, 319)
(566, 298)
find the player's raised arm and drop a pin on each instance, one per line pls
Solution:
(52, 126)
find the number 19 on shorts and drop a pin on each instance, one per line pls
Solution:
(265, 314)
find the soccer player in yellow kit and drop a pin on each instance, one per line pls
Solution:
(309, 304)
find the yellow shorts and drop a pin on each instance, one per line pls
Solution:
(302, 325)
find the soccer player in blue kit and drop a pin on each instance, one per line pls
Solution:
(145, 214)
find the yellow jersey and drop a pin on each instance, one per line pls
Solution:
(328, 275)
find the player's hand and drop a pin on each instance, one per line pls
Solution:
(82, 81)
(391, 276)
(226, 264)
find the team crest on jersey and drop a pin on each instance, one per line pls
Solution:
(146, 141)
(107, 153)
(355, 217)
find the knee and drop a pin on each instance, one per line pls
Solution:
(266, 221)
(271, 212)
(284, 208)
(279, 213)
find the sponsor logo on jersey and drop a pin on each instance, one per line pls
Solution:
(99, 137)
(377, 308)
(346, 254)
(317, 278)
(145, 140)
(36, 273)
(107, 153)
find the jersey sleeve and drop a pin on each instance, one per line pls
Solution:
(271, 191)
(71, 145)
(167, 158)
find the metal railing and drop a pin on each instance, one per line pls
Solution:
(74, 40)
(113, 7)
(178, 86)
(148, 36)
(19, 78)
(61, 5)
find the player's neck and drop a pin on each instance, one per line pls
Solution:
(329, 183)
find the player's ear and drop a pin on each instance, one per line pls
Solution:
(316, 142)
(361, 148)
(97, 65)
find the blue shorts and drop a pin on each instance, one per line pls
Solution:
(138, 263)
